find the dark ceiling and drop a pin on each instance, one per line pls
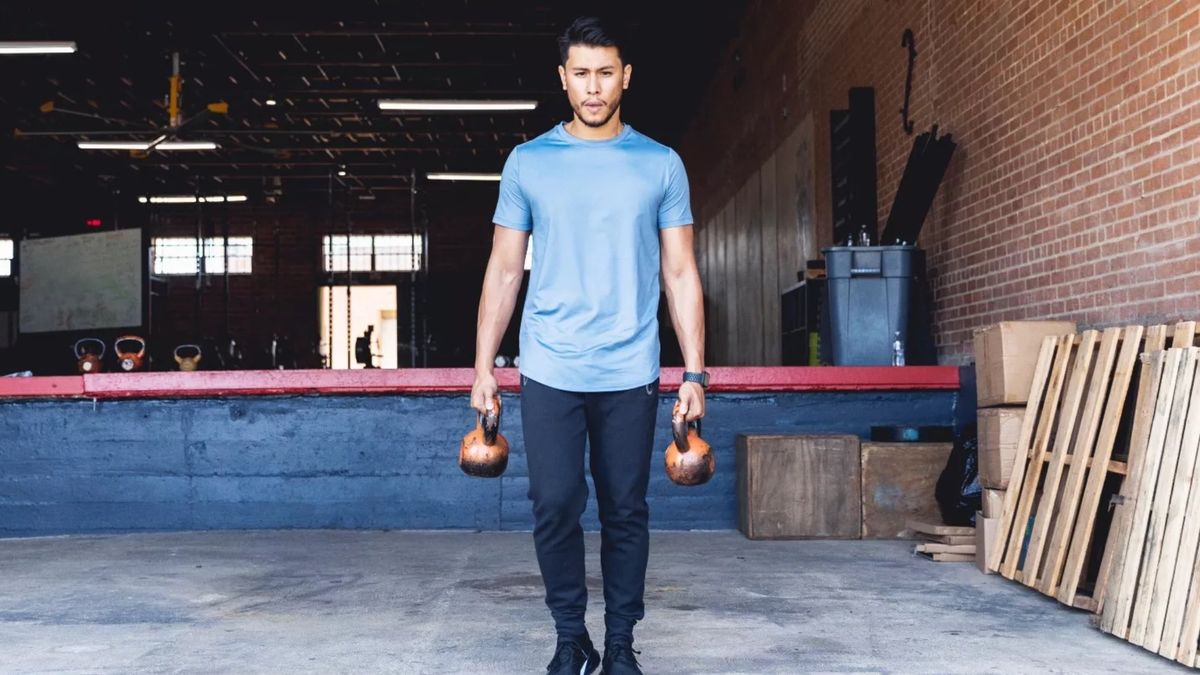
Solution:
(326, 66)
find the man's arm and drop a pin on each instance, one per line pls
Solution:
(501, 286)
(685, 301)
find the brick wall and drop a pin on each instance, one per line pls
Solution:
(1072, 193)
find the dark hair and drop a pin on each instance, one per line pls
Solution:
(590, 31)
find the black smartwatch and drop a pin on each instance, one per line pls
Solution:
(699, 378)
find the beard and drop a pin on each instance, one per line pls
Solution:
(605, 115)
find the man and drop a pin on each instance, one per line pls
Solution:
(609, 213)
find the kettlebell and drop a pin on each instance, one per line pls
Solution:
(189, 363)
(89, 362)
(689, 458)
(484, 451)
(130, 360)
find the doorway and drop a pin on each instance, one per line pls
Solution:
(347, 313)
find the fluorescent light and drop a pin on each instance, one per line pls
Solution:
(145, 145)
(271, 101)
(191, 199)
(37, 47)
(425, 105)
(113, 145)
(186, 145)
(464, 176)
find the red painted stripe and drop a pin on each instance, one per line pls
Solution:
(41, 387)
(456, 380)
(824, 378)
(284, 382)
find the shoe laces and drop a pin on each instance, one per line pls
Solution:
(564, 652)
(621, 652)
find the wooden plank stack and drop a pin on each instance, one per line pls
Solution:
(1082, 451)
(944, 543)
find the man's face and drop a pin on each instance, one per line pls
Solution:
(594, 79)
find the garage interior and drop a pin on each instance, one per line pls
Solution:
(950, 255)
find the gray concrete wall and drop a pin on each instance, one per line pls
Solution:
(72, 466)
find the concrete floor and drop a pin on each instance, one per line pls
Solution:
(445, 602)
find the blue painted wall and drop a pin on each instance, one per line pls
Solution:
(71, 466)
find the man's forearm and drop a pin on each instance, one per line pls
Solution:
(496, 304)
(685, 300)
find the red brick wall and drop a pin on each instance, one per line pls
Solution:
(1073, 190)
(286, 302)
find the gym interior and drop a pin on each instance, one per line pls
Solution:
(950, 258)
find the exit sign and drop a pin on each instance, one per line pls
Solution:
(94, 222)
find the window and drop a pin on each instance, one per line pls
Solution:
(6, 257)
(372, 252)
(178, 255)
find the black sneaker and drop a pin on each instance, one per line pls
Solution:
(574, 657)
(619, 659)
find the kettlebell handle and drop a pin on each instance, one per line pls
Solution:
(130, 338)
(679, 429)
(491, 423)
(181, 347)
(79, 354)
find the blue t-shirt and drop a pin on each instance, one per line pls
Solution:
(595, 209)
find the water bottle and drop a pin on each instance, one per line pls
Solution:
(897, 351)
(864, 238)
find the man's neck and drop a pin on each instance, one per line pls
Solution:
(611, 129)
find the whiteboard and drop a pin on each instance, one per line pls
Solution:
(81, 282)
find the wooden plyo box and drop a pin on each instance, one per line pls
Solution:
(799, 486)
(898, 481)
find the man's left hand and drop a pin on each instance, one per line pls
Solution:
(691, 401)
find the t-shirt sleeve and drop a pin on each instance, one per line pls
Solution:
(676, 207)
(512, 209)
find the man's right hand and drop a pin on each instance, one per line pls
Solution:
(484, 392)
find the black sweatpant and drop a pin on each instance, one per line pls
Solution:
(619, 426)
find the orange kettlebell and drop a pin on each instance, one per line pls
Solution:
(689, 459)
(484, 451)
(89, 361)
(188, 357)
(131, 352)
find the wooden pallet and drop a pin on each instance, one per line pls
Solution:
(1152, 595)
(1075, 410)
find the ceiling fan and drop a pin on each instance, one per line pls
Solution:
(166, 138)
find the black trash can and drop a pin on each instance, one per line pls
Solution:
(869, 291)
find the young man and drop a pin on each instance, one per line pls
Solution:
(609, 212)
